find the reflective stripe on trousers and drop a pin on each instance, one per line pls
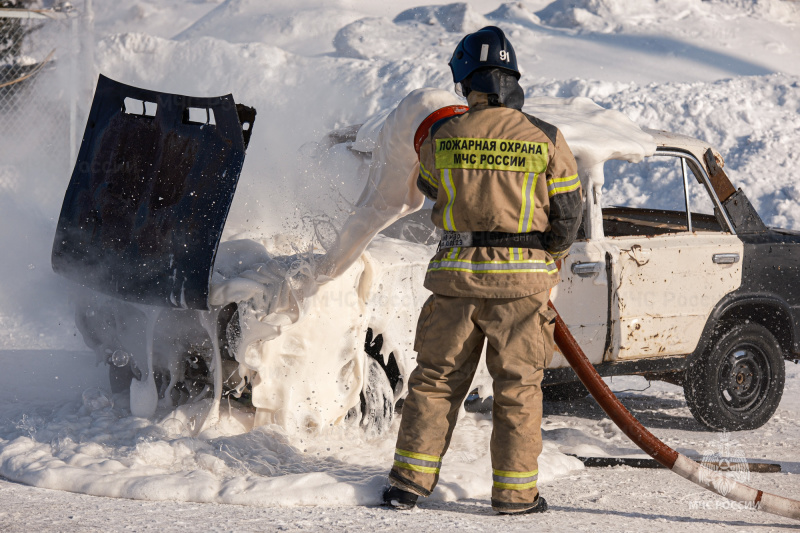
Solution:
(417, 462)
(503, 479)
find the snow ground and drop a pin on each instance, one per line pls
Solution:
(725, 70)
(578, 504)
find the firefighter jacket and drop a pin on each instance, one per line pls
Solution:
(496, 169)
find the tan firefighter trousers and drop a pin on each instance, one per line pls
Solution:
(449, 340)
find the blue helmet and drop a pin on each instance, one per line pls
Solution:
(487, 47)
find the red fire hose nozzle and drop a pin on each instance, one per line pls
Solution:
(678, 463)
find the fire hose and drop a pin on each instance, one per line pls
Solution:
(654, 447)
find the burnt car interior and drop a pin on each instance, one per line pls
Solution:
(622, 221)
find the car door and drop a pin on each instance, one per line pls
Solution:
(675, 258)
(582, 299)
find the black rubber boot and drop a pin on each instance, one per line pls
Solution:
(399, 499)
(540, 506)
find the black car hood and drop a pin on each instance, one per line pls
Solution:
(155, 177)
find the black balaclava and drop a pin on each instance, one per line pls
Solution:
(501, 86)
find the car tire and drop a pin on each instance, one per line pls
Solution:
(377, 400)
(564, 392)
(737, 383)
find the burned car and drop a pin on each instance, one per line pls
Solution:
(687, 286)
(183, 321)
(683, 283)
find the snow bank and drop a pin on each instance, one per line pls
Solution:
(518, 12)
(787, 12)
(616, 15)
(594, 15)
(364, 39)
(164, 18)
(299, 29)
(458, 18)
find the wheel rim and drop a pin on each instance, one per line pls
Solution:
(744, 378)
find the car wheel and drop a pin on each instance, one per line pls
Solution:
(564, 392)
(738, 383)
(377, 401)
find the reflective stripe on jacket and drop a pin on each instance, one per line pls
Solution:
(498, 169)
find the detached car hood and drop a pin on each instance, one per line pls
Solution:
(151, 189)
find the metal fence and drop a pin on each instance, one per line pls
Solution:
(42, 80)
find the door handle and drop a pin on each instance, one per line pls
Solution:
(725, 259)
(586, 270)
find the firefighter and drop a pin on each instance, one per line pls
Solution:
(508, 197)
